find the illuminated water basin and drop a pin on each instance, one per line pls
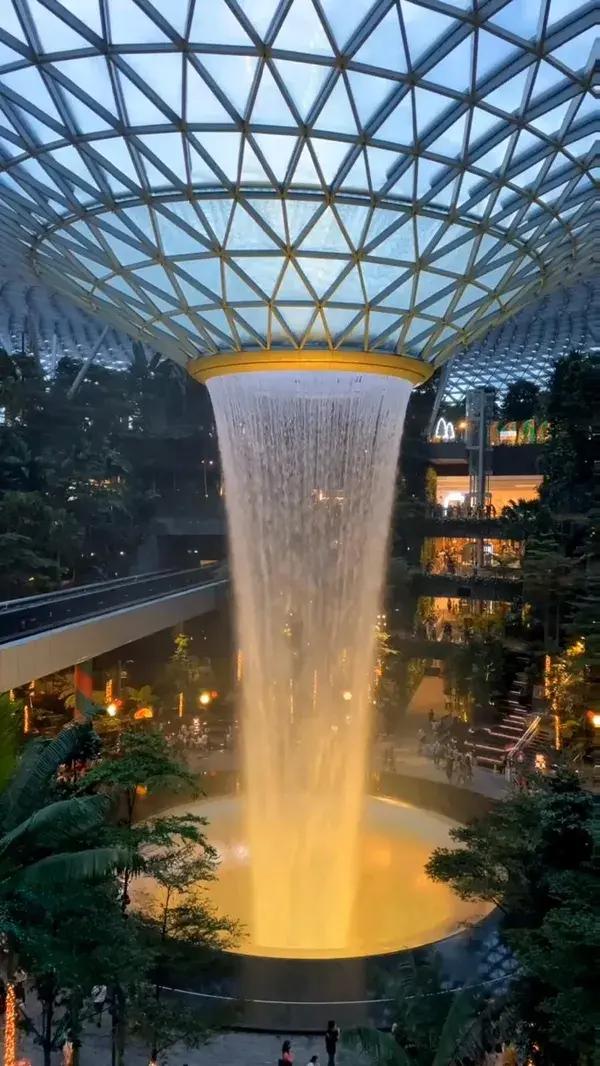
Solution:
(396, 905)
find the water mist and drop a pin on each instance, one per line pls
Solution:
(309, 463)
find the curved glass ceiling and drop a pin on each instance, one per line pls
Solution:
(377, 174)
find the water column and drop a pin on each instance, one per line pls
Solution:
(309, 462)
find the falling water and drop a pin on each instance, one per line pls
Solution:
(309, 461)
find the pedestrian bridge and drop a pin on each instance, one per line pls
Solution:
(42, 634)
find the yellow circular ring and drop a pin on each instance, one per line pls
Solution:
(384, 363)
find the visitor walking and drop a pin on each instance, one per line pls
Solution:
(450, 763)
(332, 1035)
(98, 999)
(286, 1053)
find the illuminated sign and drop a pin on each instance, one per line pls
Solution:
(444, 430)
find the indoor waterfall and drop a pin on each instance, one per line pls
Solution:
(309, 462)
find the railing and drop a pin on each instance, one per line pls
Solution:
(35, 614)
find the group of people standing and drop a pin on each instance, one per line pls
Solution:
(332, 1036)
(444, 742)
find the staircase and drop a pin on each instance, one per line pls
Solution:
(492, 743)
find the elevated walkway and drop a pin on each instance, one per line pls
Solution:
(42, 634)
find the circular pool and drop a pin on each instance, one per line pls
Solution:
(397, 907)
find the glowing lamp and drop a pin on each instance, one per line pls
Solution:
(595, 718)
(346, 695)
(112, 709)
(144, 712)
(205, 698)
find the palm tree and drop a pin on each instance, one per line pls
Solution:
(142, 697)
(433, 1028)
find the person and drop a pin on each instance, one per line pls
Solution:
(332, 1035)
(98, 999)
(421, 738)
(436, 753)
(468, 758)
(431, 717)
(313, 1060)
(286, 1053)
(449, 762)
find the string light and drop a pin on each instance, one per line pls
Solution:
(180, 705)
(239, 665)
(10, 1027)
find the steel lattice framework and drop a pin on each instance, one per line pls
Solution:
(396, 175)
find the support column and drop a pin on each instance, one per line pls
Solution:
(83, 690)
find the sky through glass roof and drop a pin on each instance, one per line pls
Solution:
(397, 175)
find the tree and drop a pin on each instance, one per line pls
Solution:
(185, 673)
(431, 1025)
(521, 401)
(532, 857)
(183, 931)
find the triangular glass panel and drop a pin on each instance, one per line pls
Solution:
(176, 240)
(297, 319)
(200, 171)
(224, 150)
(303, 31)
(119, 283)
(272, 213)
(428, 285)
(509, 96)
(129, 25)
(142, 219)
(218, 214)
(155, 275)
(356, 178)
(439, 308)
(233, 74)
(353, 218)
(404, 185)
(201, 105)
(236, 289)
(429, 107)
(54, 34)
(349, 290)
(303, 82)
(42, 133)
(124, 253)
(257, 319)
(344, 19)
(339, 318)
(215, 23)
(528, 177)
(455, 262)
(11, 23)
(246, 234)
(451, 141)
(193, 296)
(252, 170)
(400, 245)
(427, 230)
(317, 334)
(164, 78)
(299, 214)
(377, 277)
(493, 278)
(400, 297)
(369, 93)
(423, 31)
(416, 329)
(381, 165)
(550, 121)
(492, 52)
(260, 15)
(140, 110)
(320, 273)
(8, 55)
(471, 294)
(28, 82)
(356, 337)
(482, 122)
(277, 150)
(269, 107)
(265, 270)
(330, 156)
(398, 126)
(217, 320)
(384, 47)
(206, 270)
(454, 70)
(325, 235)
(429, 173)
(84, 118)
(114, 150)
(72, 161)
(336, 114)
(305, 172)
(292, 287)
(575, 53)
(547, 80)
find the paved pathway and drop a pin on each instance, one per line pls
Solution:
(228, 1049)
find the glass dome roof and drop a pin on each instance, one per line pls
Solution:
(394, 175)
